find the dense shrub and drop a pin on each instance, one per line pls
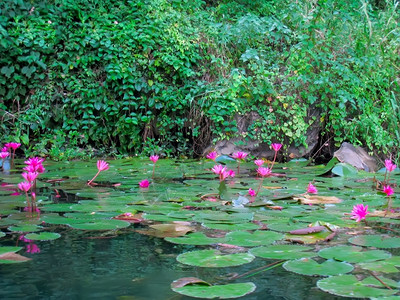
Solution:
(134, 77)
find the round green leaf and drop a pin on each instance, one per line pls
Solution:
(101, 225)
(349, 286)
(343, 169)
(2, 234)
(25, 228)
(196, 238)
(227, 291)
(307, 266)
(43, 236)
(377, 240)
(382, 266)
(247, 239)
(214, 258)
(283, 252)
(6, 249)
(231, 227)
(352, 254)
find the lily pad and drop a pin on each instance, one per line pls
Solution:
(311, 238)
(196, 238)
(101, 225)
(2, 234)
(5, 249)
(25, 228)
(226, 291)
(343, 170)
(231, 227)
(349, 286)
(283, 252)
(247, 239)
(43, 236)
(214, 258)
(352, 254)
(372, 281)
(380, 266)
(308, 266)
(378, 241)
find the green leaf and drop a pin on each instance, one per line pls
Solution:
(308, 266)
(25, 228)
(283, 252)
(196, 238)
(43, 236)
(101, 225)
(352, 254)
(349, 286)
(226, 291)
(344, 170)
(378, 241)
(247, 239)
(6, 249)
(214, 258)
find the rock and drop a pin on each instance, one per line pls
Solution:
(357, 157)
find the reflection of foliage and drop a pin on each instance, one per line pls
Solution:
(112, 75)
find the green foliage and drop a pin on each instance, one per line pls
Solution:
(162, 76)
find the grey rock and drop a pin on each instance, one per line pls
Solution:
(357, 157)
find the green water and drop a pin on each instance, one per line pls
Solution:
(124, 264)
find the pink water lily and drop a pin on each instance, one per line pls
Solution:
(240, 155)
(387, 189)
(34, 164)
(390, 167)
(30, 176)
(32, 248)
(359, 212)
(4, 155)
(311, 189)
(212, 155)
(231, 173)
(276, 146)
(101, 166)
(263, 172)
(251, 192)
(218, 169)
(144, 183)
(259, 162)
(13, 145)
(24, 186)
(154, 158)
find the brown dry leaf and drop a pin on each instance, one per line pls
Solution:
(181, 282)
(167, 230)
(272, 187)
(14, 257)
(384, 214)
(308, 230)
(313, 199)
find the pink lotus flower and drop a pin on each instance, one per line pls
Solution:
(218, 169)
(276, 146)
(154, 158)
(24, 186)
(259, 162)
(264, 172)
(389, 165)
(102, 165)
(32, 248)
(144, 183)
(4, 155)
(30, 176)
(312, 189)
(13, 145)
(231, 173)
(359, 212)
(251, 192)
(387, 189)
(212, 155)
(240, 155)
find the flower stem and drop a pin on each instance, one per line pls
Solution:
(154, 167)
(90, 182)
(259, 186)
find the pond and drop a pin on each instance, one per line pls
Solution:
(191, 232)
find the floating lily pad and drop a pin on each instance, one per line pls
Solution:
(247, 239)
(343, 169)
(214, 258)
(382, 266)
(311, 238)
(2, 234)
(226, 291)
(372, 281)
(349, 286)
(6, 249)
(352, 254)
(308, 266)
(101, 225)
(378, 241)
(196, 238)
(283, 252)
(231, 227)
(25, 228)
(43, 236)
